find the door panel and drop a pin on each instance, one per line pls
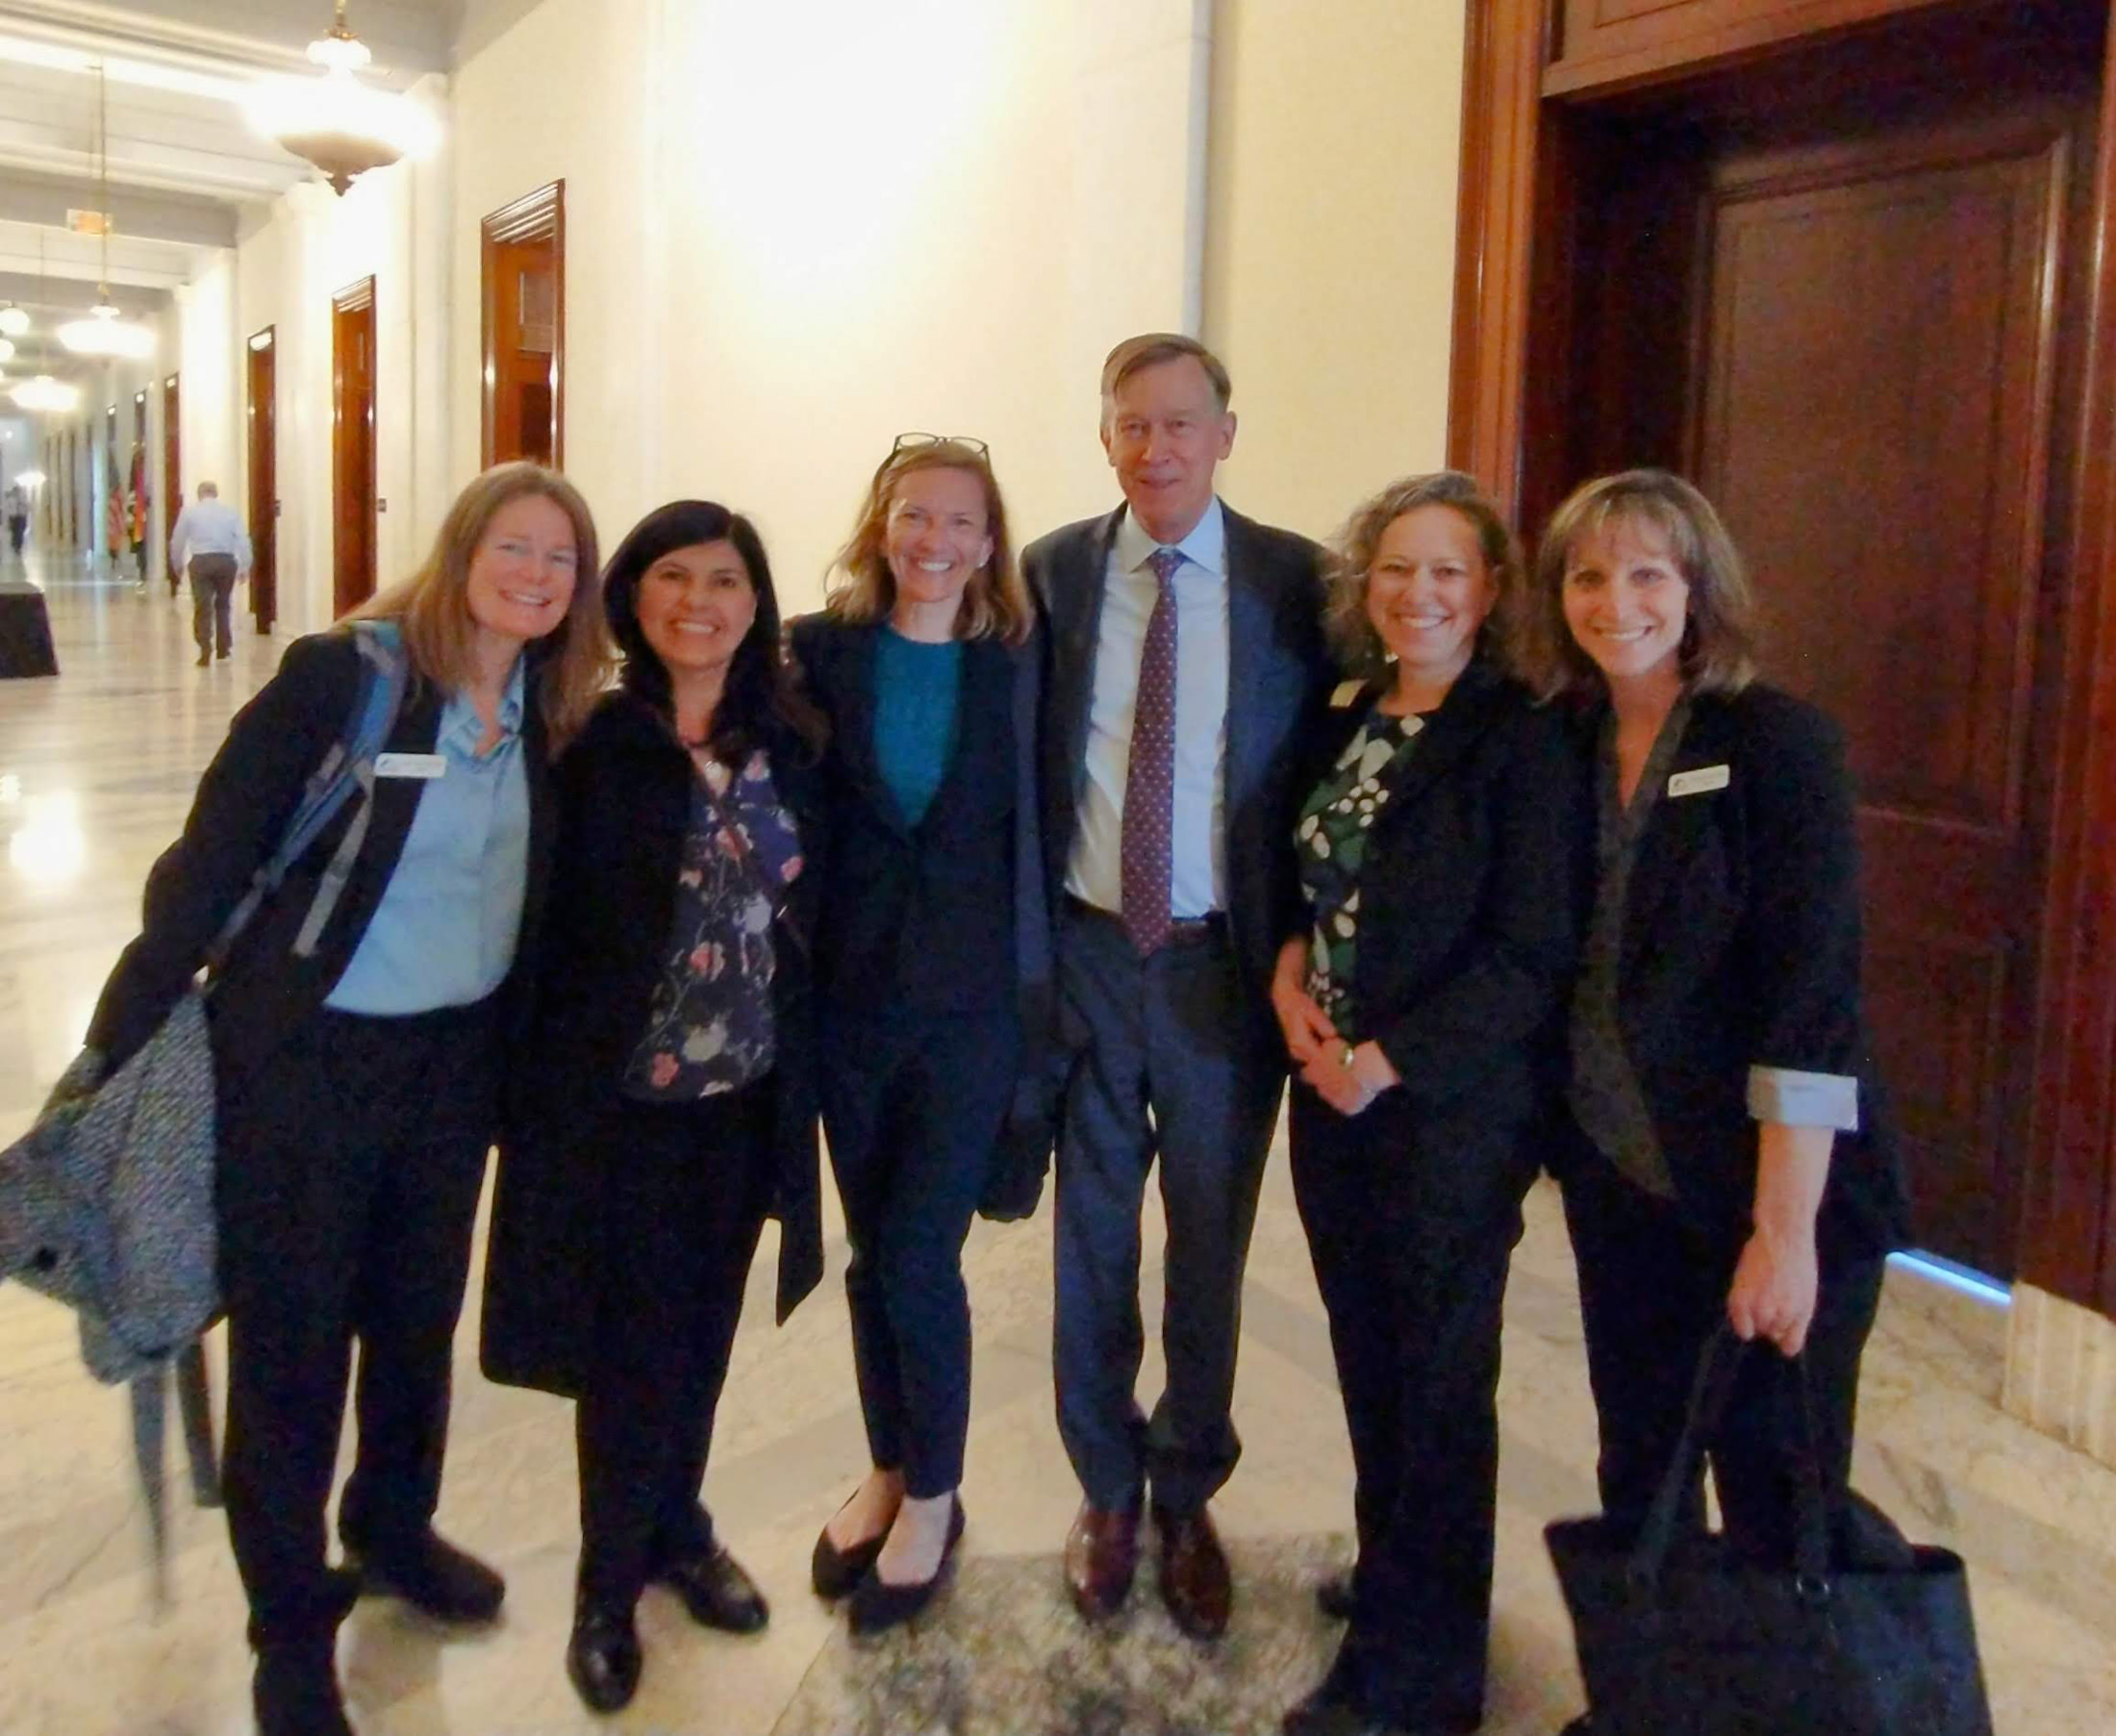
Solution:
(1874, 400)
(264, 443)
(353, 444)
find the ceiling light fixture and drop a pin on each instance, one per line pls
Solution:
(344, 127)
(13, 320)
(7, 350)
(105, 332)
(45, 393)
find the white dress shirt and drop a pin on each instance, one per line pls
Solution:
(1197, 850)
(207, 527)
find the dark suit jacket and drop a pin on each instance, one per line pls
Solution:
(624, 804)
(1279, 678)
(1467, 934)
(244, 805)
(1741, 948)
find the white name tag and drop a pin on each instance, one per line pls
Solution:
(1698, 782)
(433, 765)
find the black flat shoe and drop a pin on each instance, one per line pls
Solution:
(834, 1571)
(716, 1590)
(879, 1605)
(1335, 1597)
(432, 1576)
(602, 1658)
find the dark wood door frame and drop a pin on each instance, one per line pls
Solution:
(260, 374)
(172, 449)
(535, 217)
(353, 444)
(1524, 83)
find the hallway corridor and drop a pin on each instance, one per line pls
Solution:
(96, 770)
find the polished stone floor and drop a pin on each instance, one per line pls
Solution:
(95, 769)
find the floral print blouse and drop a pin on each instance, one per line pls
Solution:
(1330, 843)
(710, 1029)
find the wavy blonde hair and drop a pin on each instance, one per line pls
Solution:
(995, 602)
(571, 666)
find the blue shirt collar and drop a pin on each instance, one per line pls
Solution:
(463, 729)
(1205, 546)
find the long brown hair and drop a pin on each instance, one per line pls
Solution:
(995, 601)
(571, 664)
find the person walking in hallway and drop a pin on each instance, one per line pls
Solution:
(1184, 671)
(18, 517)
(360, 1028)
(209, 544)
(932, 957)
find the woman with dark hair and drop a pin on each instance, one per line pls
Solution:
(932, 944)
(672, 1103)
(1417, 1004)
(357, 1069)
(1727, 1158)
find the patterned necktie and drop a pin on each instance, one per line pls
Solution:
(1149, 785)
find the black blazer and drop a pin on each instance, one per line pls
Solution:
(1280, 679)
(1467, 934)
(244, 803)
(948, 916)
(624, 805)
(1741, 948)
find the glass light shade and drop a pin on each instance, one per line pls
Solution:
(47, 394)
(344, 127)
(30, 479)
(105, 334)
(7, 350)
(14, 322)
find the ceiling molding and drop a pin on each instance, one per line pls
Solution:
(407, 39)
(45, 200)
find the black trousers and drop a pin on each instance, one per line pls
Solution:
(687, 1188)
(348, 1188)
(912, 1105)
(1173, 1058)
(1653, 1291)
(212, 589)
(1412, 1223)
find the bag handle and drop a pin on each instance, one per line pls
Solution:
(1711, 1390)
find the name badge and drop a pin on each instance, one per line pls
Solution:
(429, 764)
(1698, 782)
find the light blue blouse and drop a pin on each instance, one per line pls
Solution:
(444, 934)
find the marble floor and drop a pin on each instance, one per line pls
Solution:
(96, 769)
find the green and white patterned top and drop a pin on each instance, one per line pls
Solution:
(1332, 845)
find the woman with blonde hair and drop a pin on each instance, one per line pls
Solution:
(1727, 1159)
(932, 956)
(358, 1066)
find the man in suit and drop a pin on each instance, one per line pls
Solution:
(1185, 660)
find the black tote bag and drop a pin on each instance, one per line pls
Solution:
(1685, 1635)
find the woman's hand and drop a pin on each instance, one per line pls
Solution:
(1774, 1291)
(1307, 1028)
(1348, 1080)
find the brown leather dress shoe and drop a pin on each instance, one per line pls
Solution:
(1101, 1555)
(1194, 1582)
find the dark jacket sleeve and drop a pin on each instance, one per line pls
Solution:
(1802, 923)
(241, 809)
(1511, 984)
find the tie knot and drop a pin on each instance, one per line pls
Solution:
(1165, 561)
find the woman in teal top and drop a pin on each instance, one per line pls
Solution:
(930, 940)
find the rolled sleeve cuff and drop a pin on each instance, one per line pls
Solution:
(1798, 1099)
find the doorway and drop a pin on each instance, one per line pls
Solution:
(524, 271)
(263, 468)
(353, 445)
(172, 450)
(1847, 289)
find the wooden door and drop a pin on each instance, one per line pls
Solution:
(353, 444)
(1888, 475)
(264, 466)
(172, 450)
(523, 268)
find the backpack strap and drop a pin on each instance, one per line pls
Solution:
(347, 769)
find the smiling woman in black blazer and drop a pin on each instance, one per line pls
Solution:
(358, 1071)
(931, 936)
(1418, 1006)
(671, 1101)
(1727, 1157)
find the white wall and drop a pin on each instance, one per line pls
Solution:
(793, 232)
(1330, 255)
